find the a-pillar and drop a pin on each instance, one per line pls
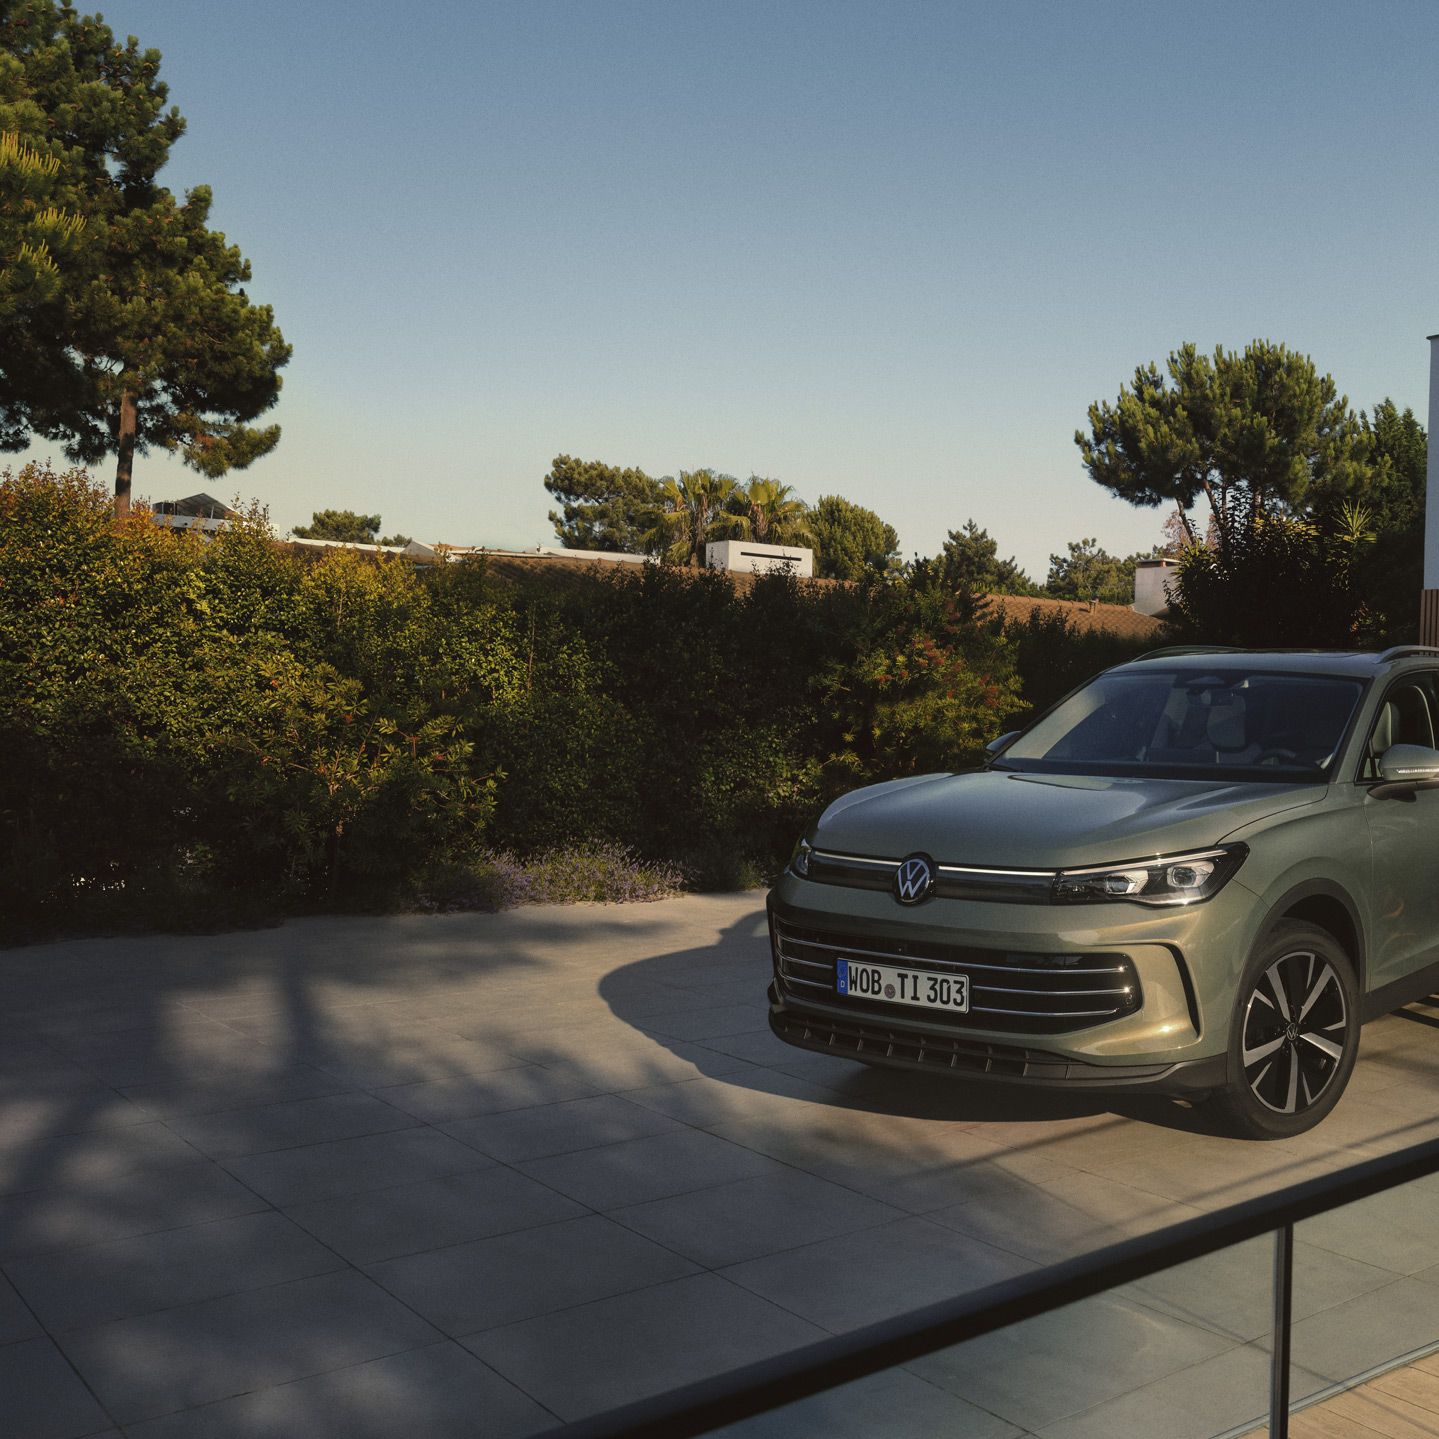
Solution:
(1429, 603)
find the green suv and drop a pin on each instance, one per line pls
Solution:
(1195, 875)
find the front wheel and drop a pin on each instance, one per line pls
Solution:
(1294, 1036)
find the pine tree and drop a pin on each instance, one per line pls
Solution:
(603, 507)
(144, 335)
(1253, 434)
(344, 525)
(851, 542)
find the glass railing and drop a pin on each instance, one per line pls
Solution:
(1324, 1295)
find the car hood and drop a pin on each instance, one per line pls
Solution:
(1011, 820)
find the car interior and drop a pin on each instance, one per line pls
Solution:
(1270, 721)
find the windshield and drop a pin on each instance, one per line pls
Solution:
(1220, 724)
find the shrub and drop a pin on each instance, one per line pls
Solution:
(1276, 580)
(490, 882)
(610, 873)
(597, 871)
(177, 735)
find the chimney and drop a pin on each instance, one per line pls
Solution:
(1429, 602)
(1151, 589)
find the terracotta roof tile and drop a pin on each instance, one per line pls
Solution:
(1084, 616)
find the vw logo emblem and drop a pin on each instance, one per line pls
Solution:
(914, 879)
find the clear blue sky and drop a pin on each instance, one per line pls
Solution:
(887, 250)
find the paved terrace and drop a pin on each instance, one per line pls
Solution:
(468, 1175)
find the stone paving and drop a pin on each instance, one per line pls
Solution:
(481, 1174)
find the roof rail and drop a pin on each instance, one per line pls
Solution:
(1398, 652)
(1187, 650)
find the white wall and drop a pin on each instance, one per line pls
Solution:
(752, 558)
(1431, 490)
(1150, 578)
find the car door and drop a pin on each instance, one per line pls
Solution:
(1404, 839)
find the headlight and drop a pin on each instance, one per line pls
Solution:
(1169, 879)
(799, 860)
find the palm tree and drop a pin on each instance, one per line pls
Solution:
(693, 511)
(769, 513)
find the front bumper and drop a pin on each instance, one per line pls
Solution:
(826, 1030)
(1186, 961)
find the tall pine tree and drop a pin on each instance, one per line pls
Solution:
(144, 335)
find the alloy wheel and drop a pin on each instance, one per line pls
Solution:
(1294, 1032)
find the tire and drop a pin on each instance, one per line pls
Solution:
(1294, 1035)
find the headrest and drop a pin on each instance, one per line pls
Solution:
(1225, 727)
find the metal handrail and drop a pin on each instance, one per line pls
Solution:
(757, 1388)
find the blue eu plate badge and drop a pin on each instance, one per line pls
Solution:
(841, 976)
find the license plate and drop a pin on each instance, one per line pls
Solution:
(921, 987)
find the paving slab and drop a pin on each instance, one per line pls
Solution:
(441, 1392)
(1213, 1397)
(75, 1288)
(1396, 1229)
(349, 1166)
(211, 1093)
(1046, 1369)
(509, 1277)
(563, 1128)
(620, 1060)
(29, 1113)
(291, 1124)
(54, 1075)
(521, 1086)
(415, 1062)
(628, 1347)
(17, 1320)
(1088, 1213)
(635, 1170)
(850, 1280)
(178, 1358)
(432, 1214)
(41, 1396)
(1231, 1292)
(1368, 1330)
(895, 1404)
(117, 1205)
(747, 1218)
(54, 1161)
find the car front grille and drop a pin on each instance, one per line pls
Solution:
(1021, 993)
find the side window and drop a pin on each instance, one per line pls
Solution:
(1407, 716)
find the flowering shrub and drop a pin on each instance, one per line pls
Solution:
(599, 871)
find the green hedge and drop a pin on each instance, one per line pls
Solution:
(202, 731)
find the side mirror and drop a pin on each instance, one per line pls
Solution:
(995, 745)
(1405, 768)
(1409, 762)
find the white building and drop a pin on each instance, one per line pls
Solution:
(751, 558)
(195, 512)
